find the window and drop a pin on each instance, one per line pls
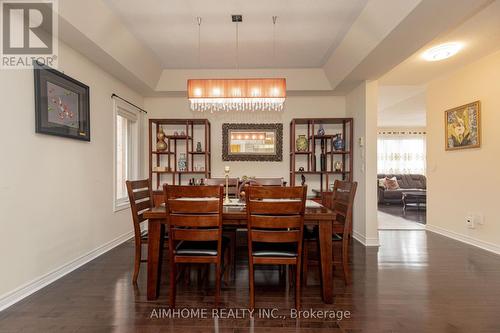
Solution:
(401, 154)
(127, 136)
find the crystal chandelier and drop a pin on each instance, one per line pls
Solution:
(256, 94)
(236, 94)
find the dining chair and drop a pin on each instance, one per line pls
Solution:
(274, 181)
(275, 219)
(232, 185)
(229, 231)
(340, 201)
(141, 199)
(194, 217)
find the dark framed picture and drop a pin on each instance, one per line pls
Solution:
(463, 127)
(252, 142)
(61, 104)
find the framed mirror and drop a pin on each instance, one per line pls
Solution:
(252, 142)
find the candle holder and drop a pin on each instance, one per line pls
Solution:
(226, 174)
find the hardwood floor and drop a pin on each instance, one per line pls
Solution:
(415, 282)
(411, 214)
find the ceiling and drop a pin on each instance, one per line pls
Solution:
(402, 89)
(306, 33)
(480, 35)
(401, 106)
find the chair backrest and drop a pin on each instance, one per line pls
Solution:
(341, 201)
(275, 214)
(232, 184)
(194, 213)
(270, 181)
(141, 199)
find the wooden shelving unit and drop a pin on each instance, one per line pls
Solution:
(309, 127)
(194, 130)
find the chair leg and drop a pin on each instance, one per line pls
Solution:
(173, 282)
(137, 259)
(234, 238)
(305, 262)
(345, 259)
(297, 285)
(251, 283)
(227, 265)
(217, 283)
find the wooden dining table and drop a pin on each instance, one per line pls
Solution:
(236, 216)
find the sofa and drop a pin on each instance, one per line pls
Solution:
(407, 183)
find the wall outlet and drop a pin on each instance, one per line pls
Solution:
(469, 222)
(479, 219)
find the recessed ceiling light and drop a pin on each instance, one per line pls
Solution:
(442, 51)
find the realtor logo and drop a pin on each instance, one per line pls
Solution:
(29, 30)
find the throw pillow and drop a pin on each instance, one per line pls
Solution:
(391, 183)
(381, 182)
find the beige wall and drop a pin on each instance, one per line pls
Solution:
(296, 107)
(465, 181)
(55, 193)
(361, 104)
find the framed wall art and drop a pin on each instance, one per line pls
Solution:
(61, 104)
(252, 142)
(463, 127)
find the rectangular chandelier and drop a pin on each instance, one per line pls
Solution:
(236, 94)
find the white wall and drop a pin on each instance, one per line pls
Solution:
(55, 193)
(361, 104)
(296, 107)
(465, 181)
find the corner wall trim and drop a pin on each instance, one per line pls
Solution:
(365, 241)
(33, 286)
(464, 239)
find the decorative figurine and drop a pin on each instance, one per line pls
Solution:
(302, 180)
(338, 166)
(161, 145)
(198, 147)
(301, 169)
(301, 143)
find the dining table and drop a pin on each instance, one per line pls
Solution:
(236, 216)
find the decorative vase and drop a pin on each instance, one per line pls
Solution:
(161, 145)
(182, 163)
(338, 143)
(321, 130)
(301, 143)
(338, 166)
(198, 147)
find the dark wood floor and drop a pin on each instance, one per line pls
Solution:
(415, 282)
(411, 214)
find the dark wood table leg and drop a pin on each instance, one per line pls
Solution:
(325, 248)
(156, 230)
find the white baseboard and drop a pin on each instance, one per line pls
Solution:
(365, 241)
(464, 238)
(29, 288)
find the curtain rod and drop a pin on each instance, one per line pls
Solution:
(123, 99)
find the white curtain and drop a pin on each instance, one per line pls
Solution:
(401, 154)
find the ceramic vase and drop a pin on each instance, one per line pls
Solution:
(182, 162)
(301, 143)
(161, 145)
(338, 143)
(321, 130)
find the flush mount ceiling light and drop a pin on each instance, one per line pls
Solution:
(256, 94)
(442, 51)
